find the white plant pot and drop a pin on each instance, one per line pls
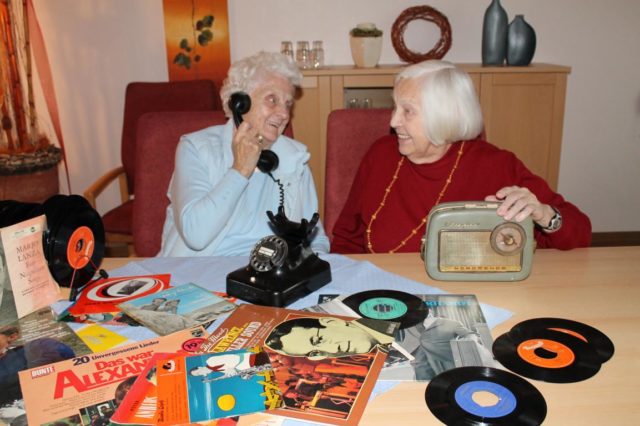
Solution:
(366, 51)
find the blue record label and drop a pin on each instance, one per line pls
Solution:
(383, 308)
(506, 399)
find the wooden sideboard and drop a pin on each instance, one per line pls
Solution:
(523, 109)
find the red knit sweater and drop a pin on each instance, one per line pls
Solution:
(482, 171)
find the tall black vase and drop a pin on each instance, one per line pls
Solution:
(494, 34)
(521, 44)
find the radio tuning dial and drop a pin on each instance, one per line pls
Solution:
(508, 238)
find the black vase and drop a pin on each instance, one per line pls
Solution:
(494, 34)
(521, 44)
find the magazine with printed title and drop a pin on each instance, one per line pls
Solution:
(325, 365)
(91, 386)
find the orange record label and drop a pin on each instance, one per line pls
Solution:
(571, 332)
(80, 247)
(564, 356)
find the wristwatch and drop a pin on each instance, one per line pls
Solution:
(554, 224)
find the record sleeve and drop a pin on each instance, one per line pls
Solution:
(454, 333)
(73, 390)
(176, 308)
(325, 372)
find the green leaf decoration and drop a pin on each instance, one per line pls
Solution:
(184, 44)
(182, 60)
(205, 37)
(207, 21)
(199, 25)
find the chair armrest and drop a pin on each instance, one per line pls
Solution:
(104, 181)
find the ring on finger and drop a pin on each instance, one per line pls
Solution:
(260, 139)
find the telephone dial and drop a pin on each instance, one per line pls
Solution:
(282, 268)
(240, 104)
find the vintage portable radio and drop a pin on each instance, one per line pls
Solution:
(468, 241)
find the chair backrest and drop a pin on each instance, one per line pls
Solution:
(350, 133)
(158, 136)
(143, 97)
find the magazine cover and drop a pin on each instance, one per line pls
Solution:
(104, 295)
(454, 333)
(87, 389)
(325, 366)
(31, 341)
(26, 284)
(205, 387)
(176, 308)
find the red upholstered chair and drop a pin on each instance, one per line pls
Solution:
(140, 98)
(158, 137)
(350, 133)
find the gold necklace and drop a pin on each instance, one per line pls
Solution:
(387, 191)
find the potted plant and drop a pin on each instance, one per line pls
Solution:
(366, 45)
(28, 161)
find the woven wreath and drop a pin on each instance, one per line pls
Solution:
(426, 13)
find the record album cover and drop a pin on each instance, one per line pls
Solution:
(451, 332)
(32, 341)
(216, 385)
(176, 308)
(325, 365)
(105, 294)
(78, 390)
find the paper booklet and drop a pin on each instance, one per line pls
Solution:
(325, 365)
(87, 389)
(26, 284)
(176, 308)
(32, 341)
(453, 334)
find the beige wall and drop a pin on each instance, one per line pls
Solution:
(97, 46)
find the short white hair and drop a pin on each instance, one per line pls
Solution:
(450, 105)
(244, 75)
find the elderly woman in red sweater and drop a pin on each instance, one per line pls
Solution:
(438, 155)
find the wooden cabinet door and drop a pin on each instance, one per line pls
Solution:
(524, 113)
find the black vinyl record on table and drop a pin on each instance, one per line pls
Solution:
(74, 246)
(449, 396)
(389, 305)
(548, 355)
(594, 337)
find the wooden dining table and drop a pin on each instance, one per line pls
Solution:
(597, 286)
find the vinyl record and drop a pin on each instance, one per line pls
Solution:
(594, 337)
(551, 356)
(12, 212)
(75, 243)
(450, 397)
(388, 305)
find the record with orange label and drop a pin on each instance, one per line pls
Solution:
(547, 355)
(74, 247)
(594, 337)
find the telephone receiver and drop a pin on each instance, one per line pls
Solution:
(240, 104)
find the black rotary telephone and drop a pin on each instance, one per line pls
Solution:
(282, 268)
(240, 104)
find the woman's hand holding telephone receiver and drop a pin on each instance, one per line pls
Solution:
(246, 146)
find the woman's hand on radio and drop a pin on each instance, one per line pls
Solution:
(518, 203)
(246, 149)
